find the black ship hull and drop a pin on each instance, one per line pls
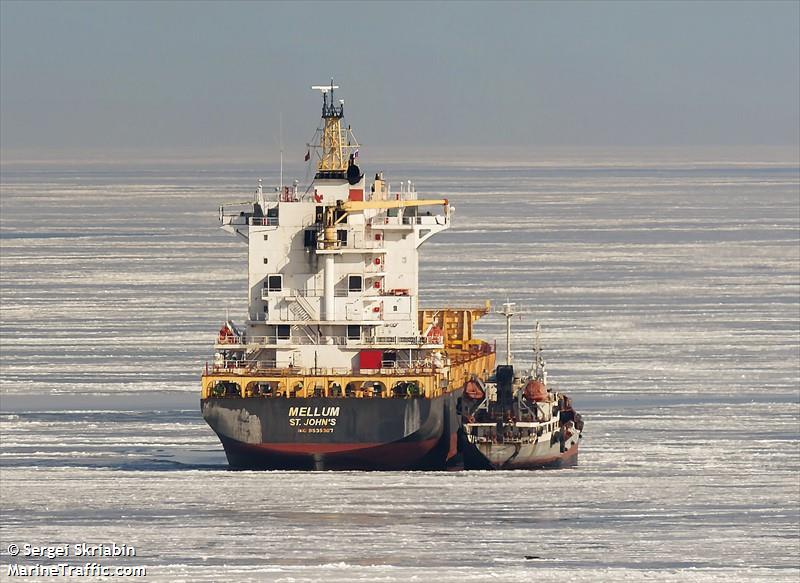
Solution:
(322, 433)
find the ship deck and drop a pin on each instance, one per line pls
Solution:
(426, 380)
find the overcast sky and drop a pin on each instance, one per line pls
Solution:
(183, 76)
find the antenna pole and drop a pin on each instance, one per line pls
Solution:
(280, 133)
(508, 312)
(539, 372)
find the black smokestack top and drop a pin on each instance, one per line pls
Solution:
(505, 385)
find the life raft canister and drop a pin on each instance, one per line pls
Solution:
(473, 390)
(225, 335)
(536, 391)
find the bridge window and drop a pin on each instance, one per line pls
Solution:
(283, 331)
(274, 282)
(355, 283)
(353, 332)
(310, 238)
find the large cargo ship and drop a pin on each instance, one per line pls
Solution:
(337, 366)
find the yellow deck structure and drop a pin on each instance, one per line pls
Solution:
(464, 357)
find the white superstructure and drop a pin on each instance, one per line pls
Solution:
(333, 269)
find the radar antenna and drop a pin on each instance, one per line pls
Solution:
(329, 110)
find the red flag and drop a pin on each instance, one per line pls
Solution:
(308, 155)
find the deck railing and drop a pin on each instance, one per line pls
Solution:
(415, 341)
(269, 369)
(264, 221)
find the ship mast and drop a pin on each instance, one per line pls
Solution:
(336, 144)
(539, 372)
(332, 138)
(508, 312)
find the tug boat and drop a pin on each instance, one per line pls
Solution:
(337, 366)
(515, 421)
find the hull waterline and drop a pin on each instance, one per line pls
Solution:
(336, 434)
(499, 456)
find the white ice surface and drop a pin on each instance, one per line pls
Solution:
(670, 300)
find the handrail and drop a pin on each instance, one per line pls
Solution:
(267, 368)
(425, 220)
(386, 219)
(339, 340)
(372, 245)
(264, 221)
